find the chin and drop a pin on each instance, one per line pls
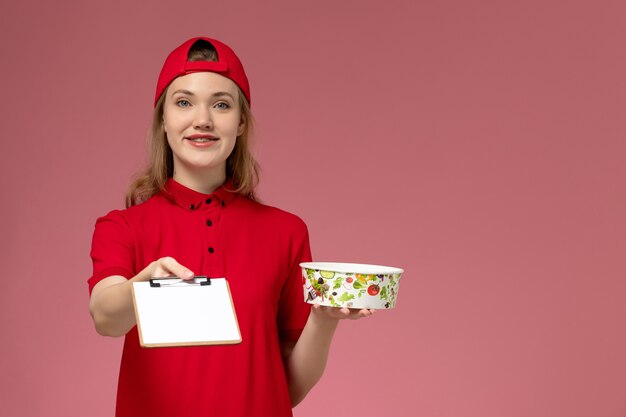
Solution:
(206, 166)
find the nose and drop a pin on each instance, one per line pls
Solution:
(202, 118)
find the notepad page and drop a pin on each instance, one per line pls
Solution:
(185, 314)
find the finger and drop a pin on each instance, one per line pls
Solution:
(357, 313)
(345, 312)
(332, 312)
(362, 313)
(165, 267)
(148, 272)
(174, 268)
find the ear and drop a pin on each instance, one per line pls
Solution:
(242, 126)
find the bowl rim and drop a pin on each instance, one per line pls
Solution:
(351, 268)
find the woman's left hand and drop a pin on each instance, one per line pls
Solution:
(340, 313)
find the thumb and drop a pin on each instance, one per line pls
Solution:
(164, 267)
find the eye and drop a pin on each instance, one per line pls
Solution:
(183, 103)
(222, 105)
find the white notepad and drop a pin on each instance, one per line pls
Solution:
(173, 312)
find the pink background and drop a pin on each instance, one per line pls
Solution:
(477, 144)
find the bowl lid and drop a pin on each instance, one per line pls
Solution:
(348, 268)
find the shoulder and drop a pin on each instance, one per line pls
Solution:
(279, 218)
(276, 225)
(126, 217)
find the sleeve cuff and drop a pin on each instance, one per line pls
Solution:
(109, 272)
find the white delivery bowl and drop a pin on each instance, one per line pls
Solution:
(350, 285)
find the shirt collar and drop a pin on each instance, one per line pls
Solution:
(191, 200)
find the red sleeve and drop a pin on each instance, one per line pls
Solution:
(112, 249)
(293, 311)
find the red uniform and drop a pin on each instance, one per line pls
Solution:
(258, 249)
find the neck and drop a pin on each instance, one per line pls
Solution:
(205, 182)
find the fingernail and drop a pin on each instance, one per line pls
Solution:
(188, 274)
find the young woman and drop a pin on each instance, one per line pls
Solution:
(193, 211)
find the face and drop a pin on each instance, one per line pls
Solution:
(202, 119)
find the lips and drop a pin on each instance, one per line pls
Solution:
(198, 138)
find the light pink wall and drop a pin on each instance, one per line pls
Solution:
(478, 144)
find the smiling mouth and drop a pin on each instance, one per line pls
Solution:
(203, 139)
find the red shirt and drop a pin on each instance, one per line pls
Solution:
(258, 249)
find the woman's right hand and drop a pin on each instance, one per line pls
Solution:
(164, 267)
(111, 302)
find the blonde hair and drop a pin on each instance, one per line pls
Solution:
(241, 167)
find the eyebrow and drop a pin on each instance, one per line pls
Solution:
(217, 94)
